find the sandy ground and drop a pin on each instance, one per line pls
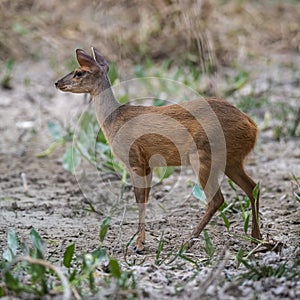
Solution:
(54, 203)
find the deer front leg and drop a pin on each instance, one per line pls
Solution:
(141, 178)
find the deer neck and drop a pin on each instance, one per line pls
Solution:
(105, 102)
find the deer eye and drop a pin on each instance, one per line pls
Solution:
(78, 74)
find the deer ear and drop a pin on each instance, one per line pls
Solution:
(100, 60)
(86, 62)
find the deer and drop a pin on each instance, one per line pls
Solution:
(209, 134)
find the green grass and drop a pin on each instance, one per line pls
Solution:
(26, 270)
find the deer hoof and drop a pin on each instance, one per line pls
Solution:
(138, 250)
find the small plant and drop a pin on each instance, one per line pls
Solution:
(242, 203)
(249, 103)
(199, 194)
(25, 270)
(88, 143)
(223, 209)
(6, 80)
(104, 228)
(163, 172)
(287, 118)
(238, 82)
(256, 271)
(296, 187)
(209, 247)
(159, 250)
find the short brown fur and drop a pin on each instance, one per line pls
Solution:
(191, 133)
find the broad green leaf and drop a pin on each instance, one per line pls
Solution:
(100, 254)
(2, 292)
(159, 102)
(226, 221)
(84, 152)
(104, 227)
(239, 256)
(91, 281)
(115, 270)
(68, 255)
(71, 159)
(163, 172)
(13, 242)
(11, 282)
(246, 223)
(37, 243)
(54, 130)
(73, 275)
(101, 137)
(113, 73)
(209, 248)
(37, 272)
(240, 80)
(255, 192)
(102, 148)
(83, 138)
(85, 119)
(199, 194)
(231, 184)
(7, 255)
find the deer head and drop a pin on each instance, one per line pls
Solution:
(87, 78)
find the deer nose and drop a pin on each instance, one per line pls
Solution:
(56, 84)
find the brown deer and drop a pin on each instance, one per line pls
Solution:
(211, 135)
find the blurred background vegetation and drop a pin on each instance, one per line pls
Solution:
(216, 47)
(207, 33)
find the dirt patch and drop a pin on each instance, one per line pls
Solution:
(55, 206)
(54, 202)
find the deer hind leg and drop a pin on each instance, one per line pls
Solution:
(239, 176)
(208, 179)
(141, 178)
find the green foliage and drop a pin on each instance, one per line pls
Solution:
(209, 247)
(6, 80)
(241, 204)
(59, 137)
(287, 119)
(71, 159)
(104, 228)
(13, 245)
(163, 172)
(115, 270)
(160, 248)
(199, 194)
(87, 143)
(249, 103)
(54, 130)
(296, 187)
(37, 250)
(35, 276)
(113, 73)
(237, 82)
(256, 270)
(225, 220)
(239, 257)
(68, 255)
